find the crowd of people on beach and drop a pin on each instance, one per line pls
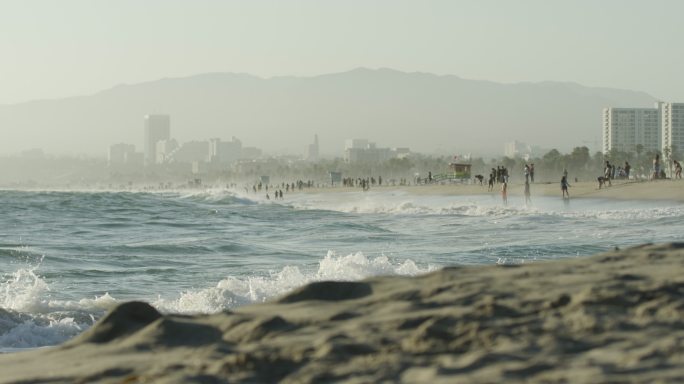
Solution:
(363, 183)
(657, 172)
(277, 189)
(498, 175)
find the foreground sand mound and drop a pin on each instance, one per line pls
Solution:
(615, 317)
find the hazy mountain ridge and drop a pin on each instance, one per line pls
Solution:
(423, 111)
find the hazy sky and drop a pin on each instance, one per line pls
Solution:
(71, 47)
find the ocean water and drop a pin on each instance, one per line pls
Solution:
(67, 257)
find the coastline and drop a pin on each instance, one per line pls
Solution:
(640, 190)
(659, 190)
(612, 317)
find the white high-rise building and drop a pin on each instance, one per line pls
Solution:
(626, 128)
(672, 126)
(157, 128)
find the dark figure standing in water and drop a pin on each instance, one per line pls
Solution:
(504, 192)
(564, 187)
(532, 172)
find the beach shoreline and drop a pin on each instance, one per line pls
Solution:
(659, 190)
(612, 317)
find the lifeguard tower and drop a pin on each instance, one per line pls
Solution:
(457, 172)
(460, 171)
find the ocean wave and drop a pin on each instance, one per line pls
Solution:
(417, 208)
(628, 214)
(219, 196)
(236, 291)
(29, 318)
(478, 206)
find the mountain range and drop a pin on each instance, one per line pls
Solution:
(426, 112)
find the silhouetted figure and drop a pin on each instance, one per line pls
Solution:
(564, 187)
(504, 192)
(627, 169)
(532, 172)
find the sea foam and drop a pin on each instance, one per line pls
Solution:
(235, 291)
(30, 317)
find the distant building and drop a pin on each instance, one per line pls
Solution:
(522, 150)
(363, 151)
(192, 151)
(515, 149)
(165, 151)
(224, 152)
(401, 153)
(313, 152)
(355, 144)
(250, 153)
(157, 128)
(626, 128)
(124, 155)
(672, 127)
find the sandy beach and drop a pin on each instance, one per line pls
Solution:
(613, 317)
(659, 190)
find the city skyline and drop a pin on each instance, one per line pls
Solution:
(427, 112)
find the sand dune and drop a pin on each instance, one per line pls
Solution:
(614, 317)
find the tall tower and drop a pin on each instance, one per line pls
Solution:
(157, 128)
(313, 153)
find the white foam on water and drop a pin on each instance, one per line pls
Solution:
(629, 214)
(24, 291)
(401, 203)
(40, 332)
(235, 291)
(29, 318)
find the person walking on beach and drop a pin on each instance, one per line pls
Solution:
(528, 200)
(607, 173)
(627, 169)
(532, 172)
(678, 169)
(564, 187)
(504, 192)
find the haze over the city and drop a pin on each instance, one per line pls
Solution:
(538, 71)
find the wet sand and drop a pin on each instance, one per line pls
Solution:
(614, 317)
(659, 190)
